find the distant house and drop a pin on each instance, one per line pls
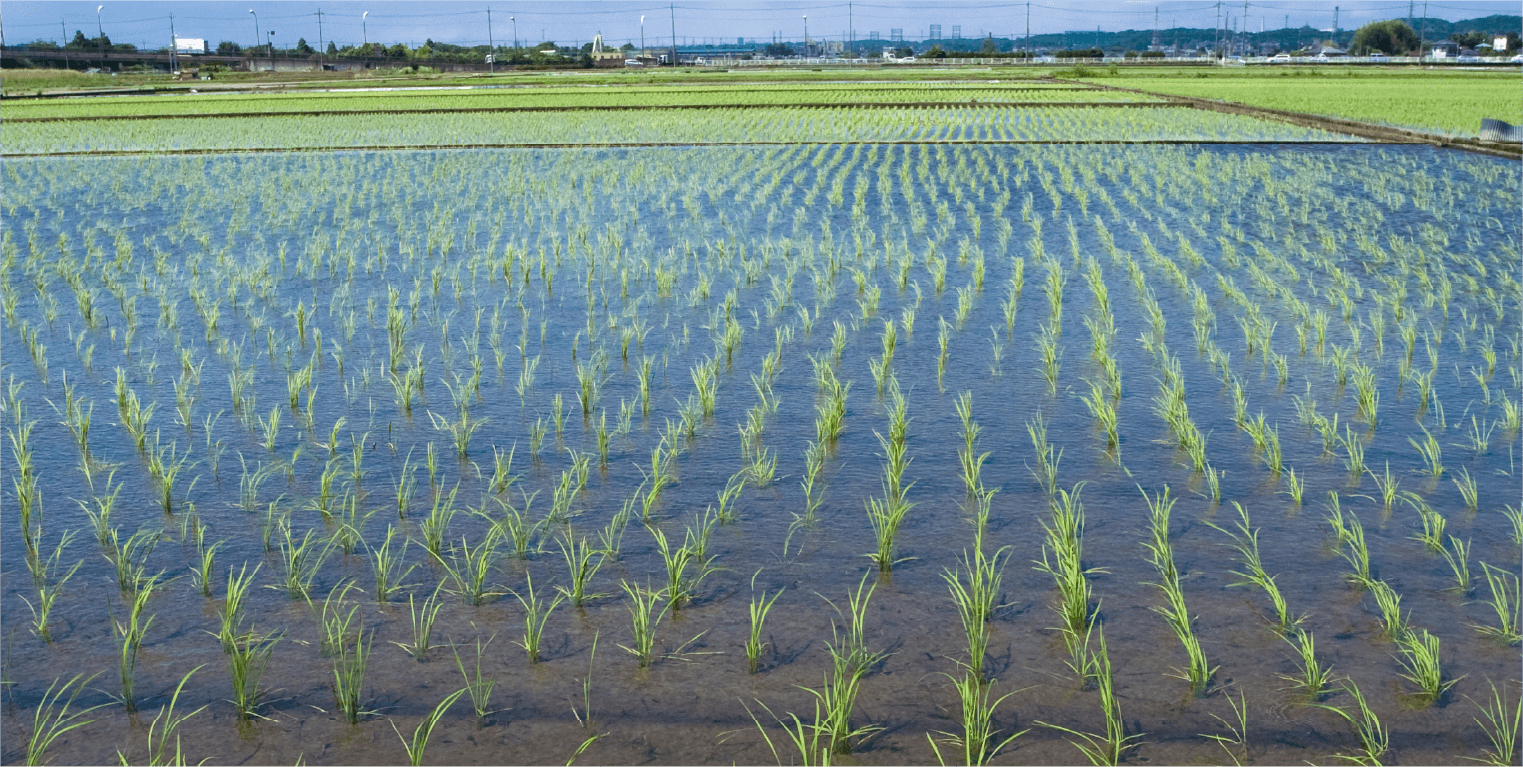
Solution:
(1447, 49)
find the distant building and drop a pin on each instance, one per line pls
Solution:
(1446, 49)
(605, 57)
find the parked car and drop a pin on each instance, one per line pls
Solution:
(633, 63)
(1378, 58)
(1282, 58)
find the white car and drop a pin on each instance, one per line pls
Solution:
(1378, 58)
(905, 60)
(1280, 59)
(1518, 59)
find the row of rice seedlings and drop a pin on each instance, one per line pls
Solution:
(887, 515)
(1245, 539)
(719, 125)
(1199, 672)
(1063, 559)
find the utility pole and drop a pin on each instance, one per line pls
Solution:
(322, 49)
(100, 29)
(254, 54)
(1335, 26)
(1422, 39)
(1245, 26)
(1217, 31)
(851, 31)
(491, 49)
(173, 64)
(65, 30)
(1028, 32)
(673, 9)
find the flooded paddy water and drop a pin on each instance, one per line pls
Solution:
(706, 377)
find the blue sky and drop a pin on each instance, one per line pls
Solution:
(465, 23)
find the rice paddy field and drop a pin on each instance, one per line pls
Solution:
(1449, 103)
(862, 436)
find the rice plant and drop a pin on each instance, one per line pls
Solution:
(468, 568)
(1245, 539)
(1374, 738)
(1314, 677)
(978, 741)
(248, 657)
(1466, 485)
(349, 665)
(1419, 657)
(51, 721)
(420, 734)
(477, 683)
(1111, 746)
(1430, 451)
(49, 582)
(1503, 599)
(580, 563)
(1500, 726)
(1236, 746)
(975, 588)
(386, 566)
(422, 624)
(536, 614)
(886, 516)
(166, 725)
(644, 620)
(130, 633)
(759, 607)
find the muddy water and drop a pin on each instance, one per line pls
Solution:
(696, 703)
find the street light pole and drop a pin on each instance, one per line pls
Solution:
(365, 33)
(806, 36)
(514, 19)
(491, 57)
(101, 30)
(642, 37)
(253, 55)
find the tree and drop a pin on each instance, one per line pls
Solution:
(778, 50)
(79, 41)
(1469, 39)
(398, 51)
(935, 52)
(332, 48)
(989, 48)
(303, 48)
(1392, 36)
(903, 52)
(229, 48)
